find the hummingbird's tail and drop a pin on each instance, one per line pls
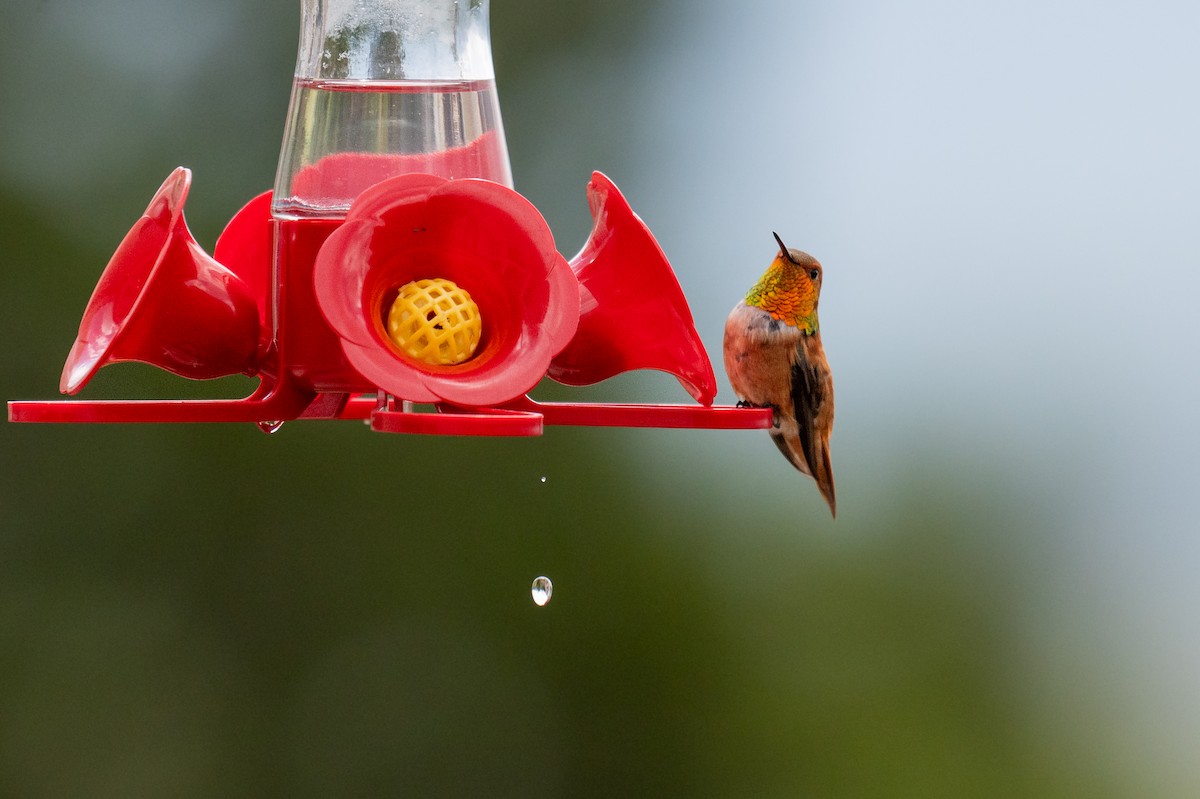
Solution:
(812, 459)
(824, 478)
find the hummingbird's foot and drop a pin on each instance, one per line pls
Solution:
(774, 410)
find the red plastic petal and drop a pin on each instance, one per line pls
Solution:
(245, 248)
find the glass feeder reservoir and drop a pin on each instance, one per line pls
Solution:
(384, 88)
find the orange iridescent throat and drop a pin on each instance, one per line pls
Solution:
(787, 294)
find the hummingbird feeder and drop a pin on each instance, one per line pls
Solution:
(393, 265)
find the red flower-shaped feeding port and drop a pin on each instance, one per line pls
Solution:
(485, 238)
(194, 317)
(634, 314)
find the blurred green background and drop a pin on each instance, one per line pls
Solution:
(1005, 202)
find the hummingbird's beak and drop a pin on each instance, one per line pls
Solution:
(783, 250)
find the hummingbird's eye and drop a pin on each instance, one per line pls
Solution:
(813, 274)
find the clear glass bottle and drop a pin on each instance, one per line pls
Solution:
(386, 87)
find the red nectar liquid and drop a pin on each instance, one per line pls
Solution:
(343, 137)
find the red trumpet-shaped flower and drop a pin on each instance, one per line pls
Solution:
(483, 237)
(633, 312)
(162, 300)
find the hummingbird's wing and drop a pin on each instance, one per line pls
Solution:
(812, 403)
(807, 399)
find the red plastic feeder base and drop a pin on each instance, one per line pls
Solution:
(524, 417)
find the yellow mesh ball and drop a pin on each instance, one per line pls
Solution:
(435, 322)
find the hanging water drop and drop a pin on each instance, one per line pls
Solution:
(542, 589)
(270, 427)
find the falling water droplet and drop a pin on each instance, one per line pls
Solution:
(270, 427)
(541, 590)
(543, 478)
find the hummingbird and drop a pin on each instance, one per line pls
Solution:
(774, 359)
